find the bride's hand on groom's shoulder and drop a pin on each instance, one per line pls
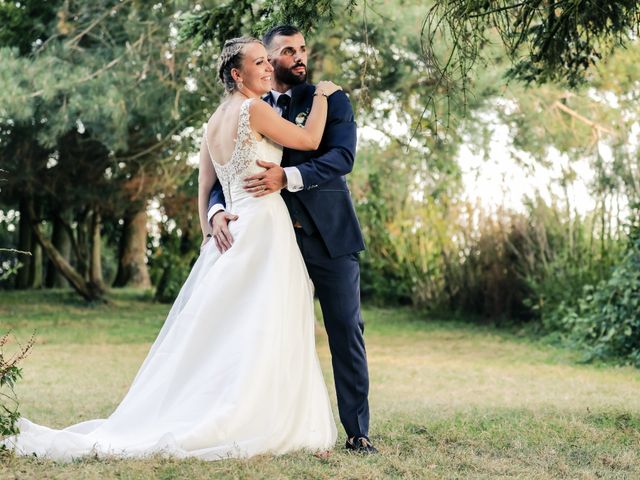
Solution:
(327, 87)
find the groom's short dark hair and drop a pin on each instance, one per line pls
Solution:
(284, 30)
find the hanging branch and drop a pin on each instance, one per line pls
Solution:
(13, 250)
(547, 41)
(220, 23)
(95, 74)
(581, 118)
(108, 12)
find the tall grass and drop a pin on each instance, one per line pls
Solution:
(440, 252)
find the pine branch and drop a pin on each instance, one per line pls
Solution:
(95, 74)
(93, 24)
(161, 142)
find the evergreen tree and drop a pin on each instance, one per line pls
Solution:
(105, 93)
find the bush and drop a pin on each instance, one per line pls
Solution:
(10, 373)
(439, 253)
(170, 264)
(565, 252)
(174, 274)
(607, 317)
(178, 248)
(403, 232)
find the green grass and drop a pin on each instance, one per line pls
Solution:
(448, 399)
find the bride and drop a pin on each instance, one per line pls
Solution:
(234, 371)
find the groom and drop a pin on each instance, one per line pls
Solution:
(315, 191)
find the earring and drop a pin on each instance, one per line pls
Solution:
(240, 85)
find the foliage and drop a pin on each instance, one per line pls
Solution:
(172, 259)
(607, 317)
(558, 254)
(170, 269)
(429, 248)
(101, 105)
(10, 373)
(546, 41)
(9, 262)
(401, 220)
(457, 40)
(26, 24)
(10, 265)
(232, 19)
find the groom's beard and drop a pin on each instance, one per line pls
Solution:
(288, 76)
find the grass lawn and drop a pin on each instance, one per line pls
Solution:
(448, 399)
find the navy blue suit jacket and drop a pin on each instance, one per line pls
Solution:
(325, 196)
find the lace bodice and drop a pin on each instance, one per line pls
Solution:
(243, 159)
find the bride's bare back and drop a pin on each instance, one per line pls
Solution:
(222, 130)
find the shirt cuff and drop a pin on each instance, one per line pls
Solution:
(213, 210)
(294, 179)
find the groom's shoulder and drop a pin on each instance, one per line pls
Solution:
(308, 89)
(339, 103)
(340, 107)
(304, 90)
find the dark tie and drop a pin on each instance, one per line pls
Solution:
(283, 103)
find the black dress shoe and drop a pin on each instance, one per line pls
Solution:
(360, 444)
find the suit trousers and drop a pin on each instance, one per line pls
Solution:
(337, 286)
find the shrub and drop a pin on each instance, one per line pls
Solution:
(10, 373)
(503, 265)
(170, 264)
(607, 317)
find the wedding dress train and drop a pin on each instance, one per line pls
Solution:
(234, 370)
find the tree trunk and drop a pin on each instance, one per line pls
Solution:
(35, 274)
(95, 263)
(62, 242)
(132, 267)
(24, 244)
(87, 289)
(82, 243)
(35, 270)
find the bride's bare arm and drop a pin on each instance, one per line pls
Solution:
(206, 178)
(267, 122)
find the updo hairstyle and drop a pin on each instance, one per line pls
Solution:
(231, 57)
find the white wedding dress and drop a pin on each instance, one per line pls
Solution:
(234, 370)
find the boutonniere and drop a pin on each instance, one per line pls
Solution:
(301, 118)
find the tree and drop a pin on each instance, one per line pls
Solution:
(106, 88)
(559, 41)
(547, 41)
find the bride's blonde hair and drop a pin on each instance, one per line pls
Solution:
(231, 57)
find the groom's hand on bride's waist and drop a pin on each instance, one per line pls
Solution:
(221, 234)
(273, 179)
